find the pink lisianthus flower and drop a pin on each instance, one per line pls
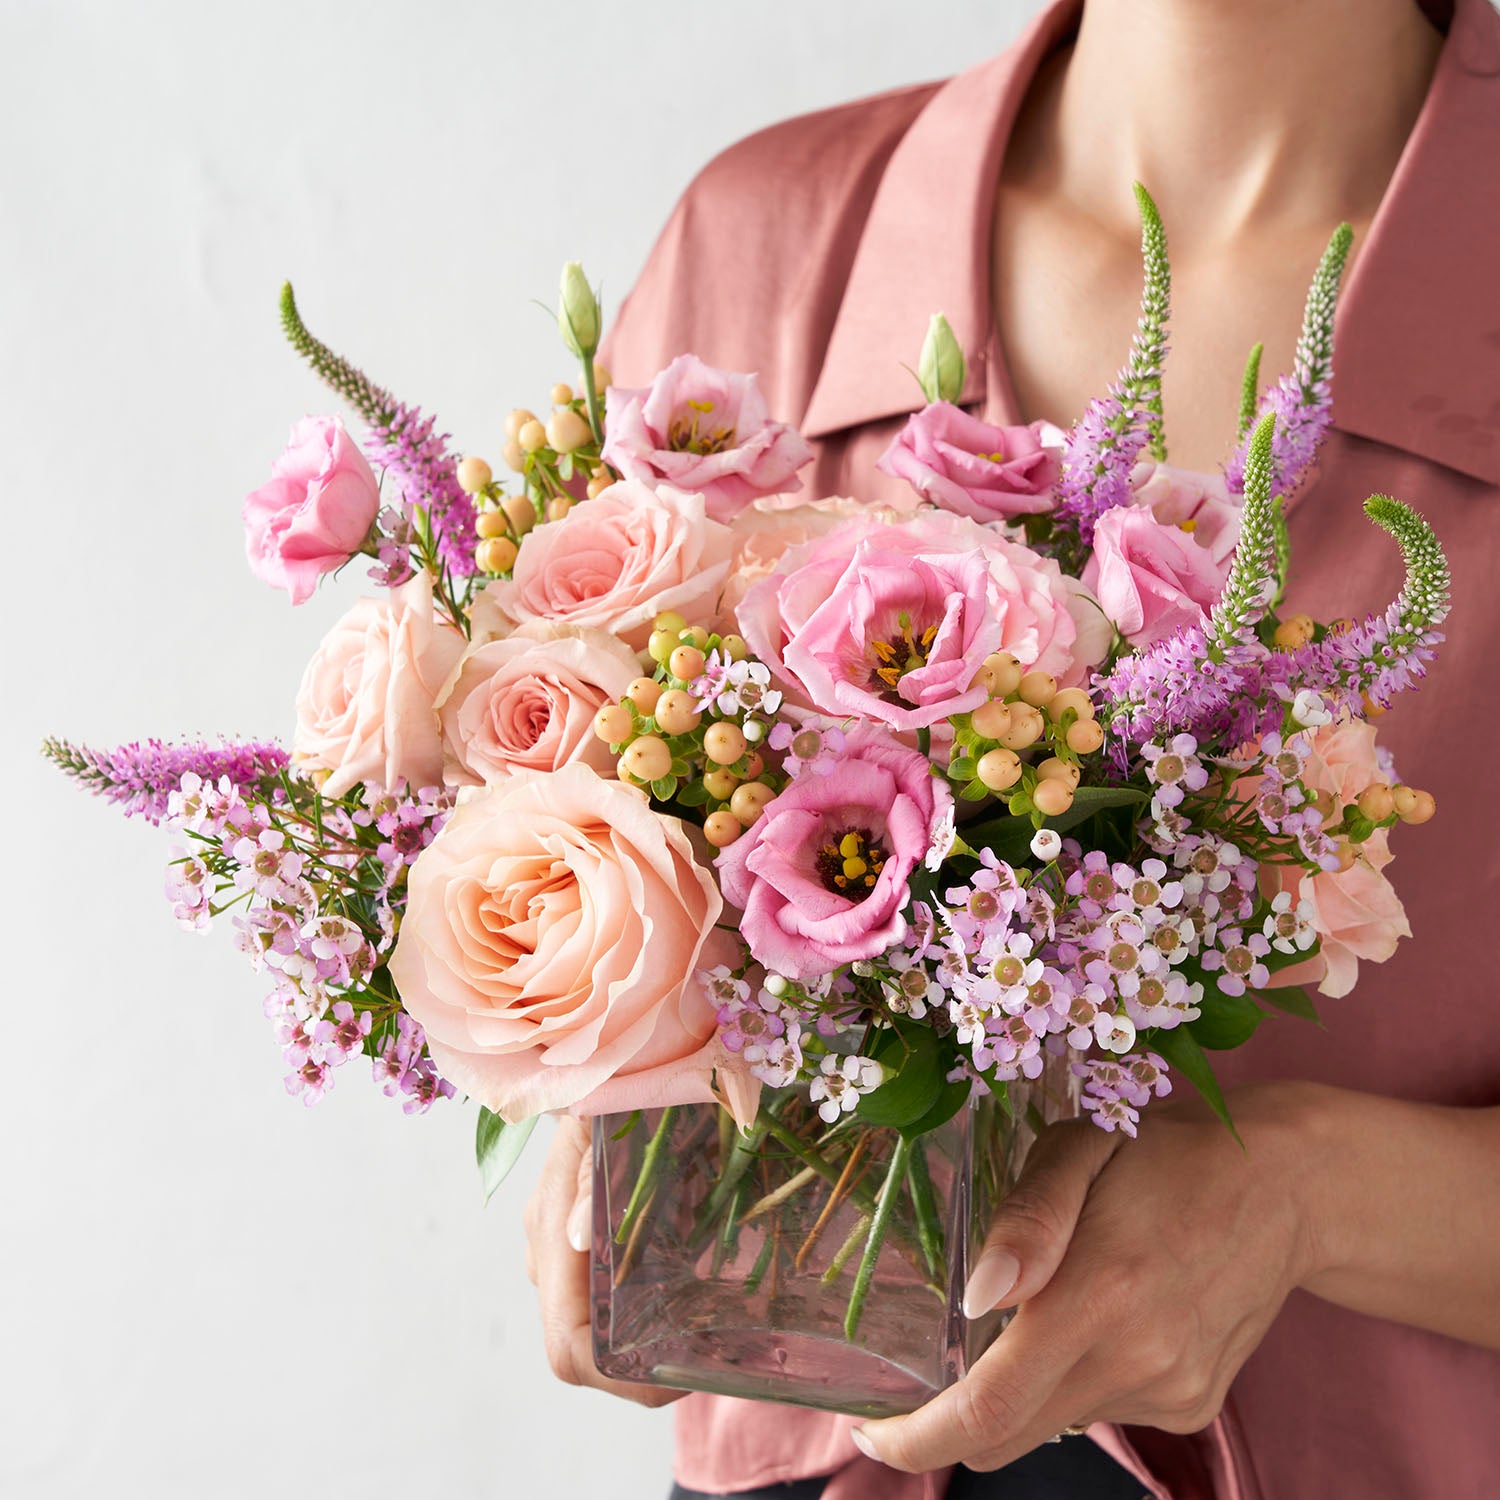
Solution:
(705, 431)
(821, 876)
(1150, 578)
(1198, 504)
(967, 466)
(1356, 913)
(314, 512)
(892, 622)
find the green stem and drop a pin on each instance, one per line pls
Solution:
(924, 1204)
(591, 399)
(650, 1169)
(762, 1263)
(890, 1190)
(850, 1245)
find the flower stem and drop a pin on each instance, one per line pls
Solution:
(651, 1166)
(924, 1205)
(850, 1245)
(890, 1190)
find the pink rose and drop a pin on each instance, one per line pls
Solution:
(892, 622)
(764, 531)
(1197, 503)
(365, 708)
(1355, 912)
(549, 947)
(705, 431)
(804, 913)
(969, 467)
(1149, 578)
(614, 564)
(528, 702)
(315, 511)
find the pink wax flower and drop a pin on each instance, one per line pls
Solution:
(1198, 503)
(821, 875)
(705, 431)
(527, 702)
(614, 564)
(892, 622)
(365, 707)
(314, 512)
(1150, 578)
(1355, 912)
(967, 466)
(552, 932)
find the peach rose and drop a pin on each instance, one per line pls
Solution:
(552, 934)
(1355, 912)
(765, 530)
(365, 708)
(527, 702)
(614, 564)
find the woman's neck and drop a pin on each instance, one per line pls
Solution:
(1232, 112)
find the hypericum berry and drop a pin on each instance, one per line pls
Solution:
(1423, 806)
(514, 456)
(473, 474)
(647, 758)
(1075, 698)
(720, 784)
(1000, 675)
(490, 523)
(722, 828)
(749, 801)
(724, 744)
(597, 485)
(686, 663)
(558, 506)
(675, 713)
(613, 723)
(1376, 802)
(734, 647)
(1052, 797)
(1037, 688)
(496, 555)
(1026, 727)
(669, 619)
(999, 770)
(645, 693)
(992, 719)
(532, 436)
(661, 645)
(1053, 769)
(562, 394)
(567, 430)
(520, 512)
(1084, 736)
(516, 420)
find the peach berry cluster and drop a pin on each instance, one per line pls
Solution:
(674, 740)
(1026, 713)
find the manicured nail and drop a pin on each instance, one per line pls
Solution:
(580, 1222)
(863, 1443)
(992, 1278)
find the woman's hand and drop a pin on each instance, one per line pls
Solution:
(559, 1220)
(1145, 1272)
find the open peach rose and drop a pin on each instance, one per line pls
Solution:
(527, 702)
(365, 707)
(552, 935)
(1355, 912)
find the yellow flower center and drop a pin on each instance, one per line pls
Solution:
(692, 432)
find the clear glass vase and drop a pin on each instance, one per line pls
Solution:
(823, 1266)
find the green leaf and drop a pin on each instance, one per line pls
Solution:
(963, 768)
(694, 794)
(1183, 1053)
(1010, 838)
(951, 1098)
(498, 1146)
(1227, 1020)
(912, 1055)
(1294, 1000)
(663, 788)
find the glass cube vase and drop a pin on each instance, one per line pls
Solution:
(821, 1266)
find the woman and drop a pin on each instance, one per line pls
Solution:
(1319, 1315)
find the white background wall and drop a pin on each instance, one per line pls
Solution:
(207, 1290)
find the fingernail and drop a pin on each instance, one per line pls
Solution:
(863, 1443)
(579, 1223)
(992, 1278)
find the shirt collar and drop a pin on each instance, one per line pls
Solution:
(1417, 343)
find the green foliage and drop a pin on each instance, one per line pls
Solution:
(912, 1055)
(498, 1147)
(1294, 1000)
(1227, 1021)
(1183, 1053)
(1010, 837)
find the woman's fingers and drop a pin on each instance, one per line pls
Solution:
(562, 1203)
(1033, 1227)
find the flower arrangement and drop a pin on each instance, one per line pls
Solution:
(636, 786)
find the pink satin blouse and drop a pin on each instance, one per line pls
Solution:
(806, 253)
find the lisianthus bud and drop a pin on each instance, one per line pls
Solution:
(578, 312)
(941, 369)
